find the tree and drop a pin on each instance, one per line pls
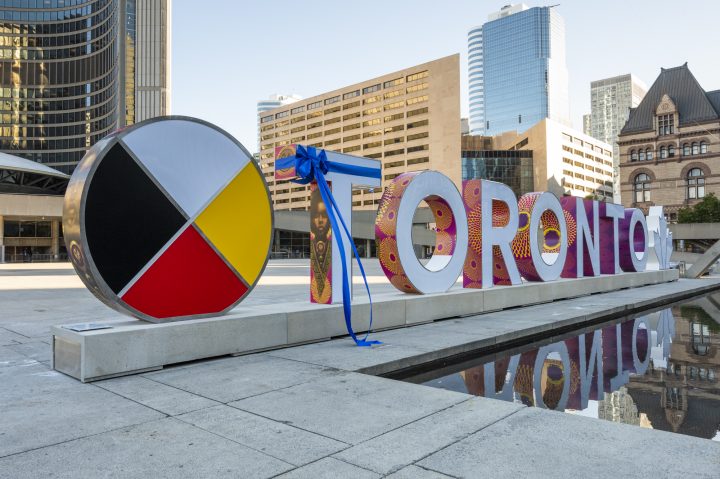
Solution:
(707, 211)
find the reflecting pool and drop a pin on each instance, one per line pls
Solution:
(656, 370)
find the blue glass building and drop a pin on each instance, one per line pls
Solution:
(517, 71)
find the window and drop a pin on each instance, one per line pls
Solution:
(417, 99)
(642, 188)
(371, 89)
(663, 152)
(633, 155)
(419, 111)
(396, 116)
(695, 148)
(351, 94)
(392, 83)
(671, 151)
(372, 99)
(350, 116)
(351, 138)
(314, 105)
(415, 161)
(417, 136)
(397, 104)
(703, 147)
(330, 101)
(641, 155)
(686, 149)
(418, 87)
(417, 76)
(695, 184)
(394, 152)
(351, 105)
(649, 154)
(297, 110)
(266, 119)
(392, 94)
(416, 124)
(666, 124)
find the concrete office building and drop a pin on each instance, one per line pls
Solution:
(564, 161)
(670, 145)
(73, 71)
(611, 100)
(516, 70)
(409, 119)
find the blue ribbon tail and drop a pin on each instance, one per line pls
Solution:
(332, 208)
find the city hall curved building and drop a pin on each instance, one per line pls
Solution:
(70, 73)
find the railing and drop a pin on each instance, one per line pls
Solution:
(34, 258)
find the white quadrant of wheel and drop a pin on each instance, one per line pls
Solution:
(188, 159)
(429, 183)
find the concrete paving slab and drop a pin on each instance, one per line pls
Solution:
(542, 443)
(329, 468)
(230, 379)
(166, 448)
(350, 407)
(41, 407)
(415, 472)
(405, 445)
(37, 350)
(155, 395)
(10, 357)
(8, 337)
(343, 354)
(276, 439)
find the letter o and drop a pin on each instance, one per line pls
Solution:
(539, 208)
(393, 232)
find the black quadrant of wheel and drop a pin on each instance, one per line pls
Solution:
(126, 228)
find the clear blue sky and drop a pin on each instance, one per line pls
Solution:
(229, 54)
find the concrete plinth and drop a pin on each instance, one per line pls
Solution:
(133, 346)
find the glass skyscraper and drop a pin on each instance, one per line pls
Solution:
(71, 73)
(517, 71)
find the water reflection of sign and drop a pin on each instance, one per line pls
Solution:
(567, 374)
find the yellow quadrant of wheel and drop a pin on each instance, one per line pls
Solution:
(238, 223)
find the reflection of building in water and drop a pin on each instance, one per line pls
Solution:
(618, 406)
(685, 396)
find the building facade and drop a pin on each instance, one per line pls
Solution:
(516, 70)
(564, 161)
(611, 100)
(66, 73)
(587, 124)
(670, 145)
(409, 119)
(480, 160)
(273, 101)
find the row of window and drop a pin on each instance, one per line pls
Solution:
(585, 166)
(694, 185)
(353, 94)
(688, 149)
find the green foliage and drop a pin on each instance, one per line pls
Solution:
(707, 211)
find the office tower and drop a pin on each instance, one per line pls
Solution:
(409, 119)
(611, 100)
(146, 49)
(73, 71)
(587, 124)
(517, 71)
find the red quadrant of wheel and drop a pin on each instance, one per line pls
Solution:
(189, 278)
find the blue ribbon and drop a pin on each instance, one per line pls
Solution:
(311, 165)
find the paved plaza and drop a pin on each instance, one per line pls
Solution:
(310, 411)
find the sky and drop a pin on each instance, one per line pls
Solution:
(228, 54)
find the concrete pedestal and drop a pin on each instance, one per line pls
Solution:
(133, 346)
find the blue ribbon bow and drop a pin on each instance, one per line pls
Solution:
(311, 165)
